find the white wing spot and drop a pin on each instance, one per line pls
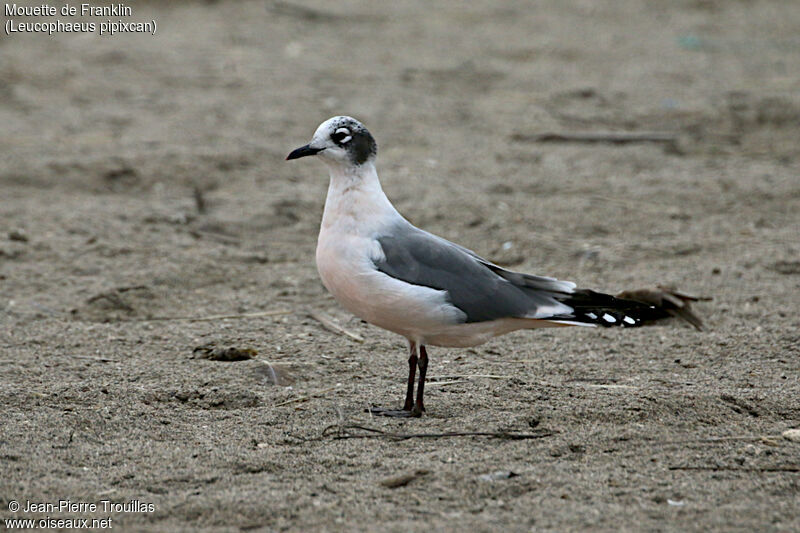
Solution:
(592, 316)
(629, 320)
(608, 318)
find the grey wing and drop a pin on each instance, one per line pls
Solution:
(482, 290)
(530, 281)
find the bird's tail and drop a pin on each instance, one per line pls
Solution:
(629, 308)
(596, 308)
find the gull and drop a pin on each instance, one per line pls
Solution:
(388, 272)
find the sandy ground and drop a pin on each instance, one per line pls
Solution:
(110, 147)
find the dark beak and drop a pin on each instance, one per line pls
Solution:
(303, 151)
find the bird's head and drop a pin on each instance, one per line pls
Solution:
(340, 141)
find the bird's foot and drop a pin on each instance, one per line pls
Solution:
(395, 413)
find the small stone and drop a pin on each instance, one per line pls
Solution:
(500, 474)
(786, 267)
(17, 235)
(792, 435)
(214, 353)
(403, 479)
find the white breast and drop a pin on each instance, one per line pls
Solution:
(356, 211)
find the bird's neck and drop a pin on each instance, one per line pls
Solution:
(356, 202)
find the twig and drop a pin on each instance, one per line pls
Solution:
(113, 298)
(738, 469)
(468, 376)
(711, 440)
(293, 400)
(614, 137)
(306, 398)
(443, 383)
(274, 312)
(330, 325)
(93, 358)
(374, 433)
(609, 386)
(221, 237)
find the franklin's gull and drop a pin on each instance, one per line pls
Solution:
(429, 290)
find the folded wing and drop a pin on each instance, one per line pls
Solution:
(482, 290)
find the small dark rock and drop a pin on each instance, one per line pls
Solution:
(230, 353)
(500, 188)
(403, 479)
(577, 448)
(17, 235)
(786, 267)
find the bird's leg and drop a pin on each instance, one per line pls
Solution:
(419, 407)
(412, 370)
(408, 408)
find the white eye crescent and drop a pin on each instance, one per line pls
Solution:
(341, 136)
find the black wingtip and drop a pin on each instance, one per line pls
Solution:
(632, 308)
(605, 310)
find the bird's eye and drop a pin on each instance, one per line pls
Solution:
(341, 136)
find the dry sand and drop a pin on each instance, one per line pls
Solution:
(107, 144)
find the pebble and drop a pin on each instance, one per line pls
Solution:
(403, 479)
(792, 435)
(17, 235)
(500, 474)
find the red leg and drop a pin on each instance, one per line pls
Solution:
(412, 370)
(409, 408)
(419, 407)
